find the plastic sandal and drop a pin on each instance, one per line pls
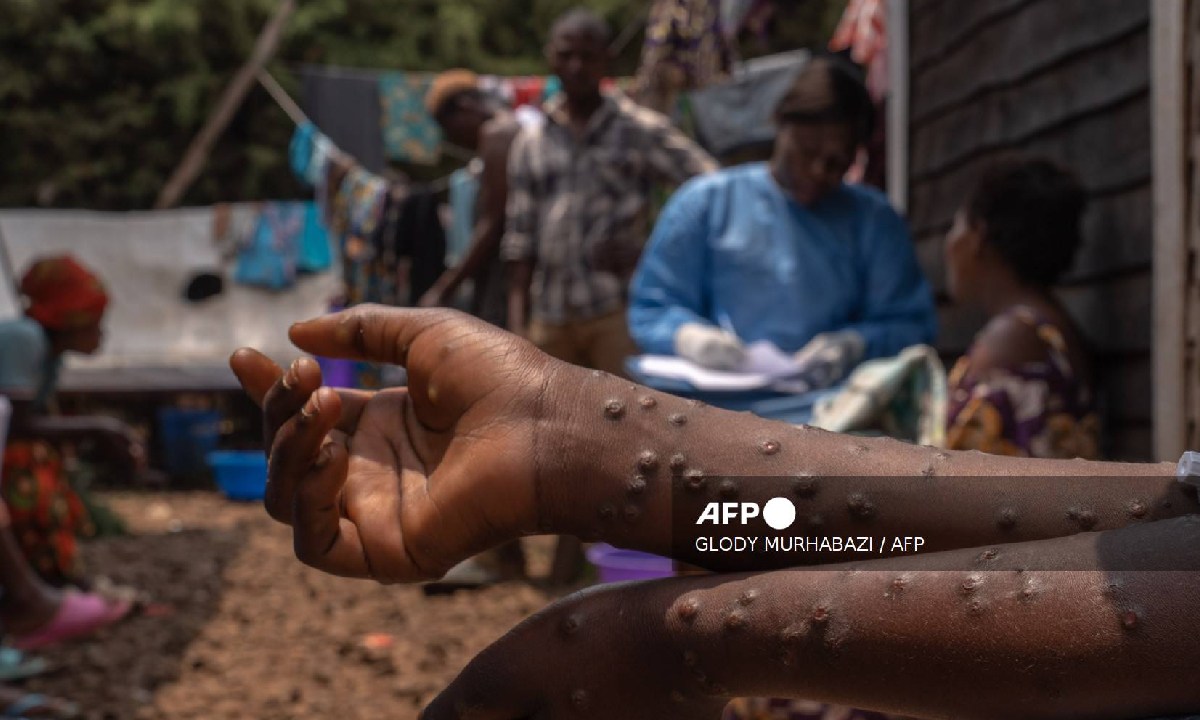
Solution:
(57, 709)
(78, 614)
(16, 665)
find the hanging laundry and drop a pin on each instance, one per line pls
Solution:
(387, 282)
(739, 113)
(409, 133)
(357, 211)
(308, 152)
(328, 191)
(315, 253)
(685, 49)
(528, 90)
(344, 104)
(233, 227)
(269, 261)
(500, 88)
(863, 31)
(300, 149)
(552, 89)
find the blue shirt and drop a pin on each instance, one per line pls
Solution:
(27, 369)
(731, 249)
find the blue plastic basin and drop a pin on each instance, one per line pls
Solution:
(241, 475)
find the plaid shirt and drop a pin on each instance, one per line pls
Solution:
(578, 208)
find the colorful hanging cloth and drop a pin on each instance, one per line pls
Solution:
(409, 133)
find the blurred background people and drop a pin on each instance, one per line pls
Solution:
(65, 304)
(1025, 387)
(579, 201)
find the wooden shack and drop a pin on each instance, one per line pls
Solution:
(1070, 80)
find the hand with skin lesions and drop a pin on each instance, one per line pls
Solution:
(494, 439)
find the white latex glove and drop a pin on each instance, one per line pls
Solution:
(829, 357)
(709, 346)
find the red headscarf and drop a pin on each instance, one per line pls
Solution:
(63, 295)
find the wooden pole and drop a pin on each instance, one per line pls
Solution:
(197, 153)
(281, 97)
(1168, 90)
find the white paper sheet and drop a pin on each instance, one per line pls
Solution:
(765, 367)
(670, 367)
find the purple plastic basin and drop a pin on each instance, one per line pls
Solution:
(336, 372)
(617, 565)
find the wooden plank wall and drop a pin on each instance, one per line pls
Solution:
(1068, 79)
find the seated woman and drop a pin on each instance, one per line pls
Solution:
(785, 251)
(1024, 387)
(65, 304)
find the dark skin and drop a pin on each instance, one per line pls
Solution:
(493, 440)
(27, 603)
(978, 276)
(580, 60)
(491, 135)
(810, 159)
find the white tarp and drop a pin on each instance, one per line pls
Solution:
(155, 337)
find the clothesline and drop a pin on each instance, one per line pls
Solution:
(293, 111)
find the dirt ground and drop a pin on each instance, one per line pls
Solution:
(241, 629)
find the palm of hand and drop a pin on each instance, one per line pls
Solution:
(422, 499)
(400, 485)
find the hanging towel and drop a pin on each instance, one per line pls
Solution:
(344, 105)
(270, 259)
(409, 133)
(308, 153)
(300, 149)
(315, 252)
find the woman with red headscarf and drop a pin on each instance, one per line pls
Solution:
(64, 306)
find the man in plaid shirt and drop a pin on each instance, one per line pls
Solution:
(579, 202)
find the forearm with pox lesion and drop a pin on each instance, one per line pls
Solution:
(947, 642)
(628, 457)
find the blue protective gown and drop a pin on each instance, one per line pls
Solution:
(731, 249)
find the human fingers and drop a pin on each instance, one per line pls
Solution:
(256, 372)
(295, 448)
(288, 395)
(452, 358)
(368, 332)
(321, 537)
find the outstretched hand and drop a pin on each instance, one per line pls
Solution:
(401, 484)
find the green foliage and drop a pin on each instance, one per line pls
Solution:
(99, 100)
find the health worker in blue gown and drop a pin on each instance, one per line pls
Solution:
(786, 251)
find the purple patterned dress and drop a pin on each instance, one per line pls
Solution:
(1038, 409)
